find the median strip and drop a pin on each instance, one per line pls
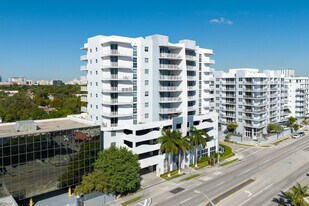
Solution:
(226, 194)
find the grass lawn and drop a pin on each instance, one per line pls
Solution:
(229, 162)
(131, 201)
(281, 140)
(174, 174)
(190, 177)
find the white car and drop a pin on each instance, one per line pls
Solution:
(296, 136)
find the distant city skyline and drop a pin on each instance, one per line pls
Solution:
(42, 40)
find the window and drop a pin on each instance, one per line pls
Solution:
(240, 99)
(90, 94)
(146, 115)
(96, 84)
(90, 105)
(239, 120)
(90, 61)
(96, 95)
(240, 79)
(239, 106)
(146, 93)
(96, 106)
(240, 85)
(239, 113)
(90, 72)
(96, 72)
(96, 118)
(146, 48)
(146, 82)
(146, 60)
(240, 93)
(146, 71)
(96, 49)
(90, 83)
(146, 104)
(113, 134)
(96, 60)
(90, 50)
(113, 144)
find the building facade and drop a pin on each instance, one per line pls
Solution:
(46, 156)
(250, 98)
(298, 93)
(137, 86)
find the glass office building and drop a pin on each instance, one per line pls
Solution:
(55, 156)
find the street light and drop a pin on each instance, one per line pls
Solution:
(199, 192)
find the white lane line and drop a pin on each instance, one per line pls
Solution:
(265, 188)
(266, 161)
(246, 171)
(217, 173)
(206, 178)
(169, 197)
(221, 183)
(254, 152)
(247, 149)
(186, 200)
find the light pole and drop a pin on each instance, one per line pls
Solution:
(199, 192)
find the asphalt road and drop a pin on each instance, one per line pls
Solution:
(274, 169)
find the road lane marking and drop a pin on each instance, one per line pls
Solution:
(248, 193)
(265, 188)
(245, 171)
(247, 149)
(206, 178)
(266, 161)
(168, 197)
(217, 173)
(186, 200)
(221, 183)
(254, 152)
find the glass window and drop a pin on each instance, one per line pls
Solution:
(146, 93)
(146, 48)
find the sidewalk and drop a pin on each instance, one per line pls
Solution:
(158, 187)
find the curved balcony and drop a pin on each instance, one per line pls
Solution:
(116, 65)
(83, 58)
(191, 68)
(117, 102)
(115, 77)
(170, 78)
(169, 56)
(114, 52)
(117, 114)
(169, 99)
(169, 111)
(118, 90)
(170, 89)
(169, 67)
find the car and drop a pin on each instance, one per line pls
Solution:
(301, 134)
(296, 136)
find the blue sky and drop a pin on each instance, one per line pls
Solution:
(41, 39)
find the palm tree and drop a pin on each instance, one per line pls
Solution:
(169, 145)
(197, 138)
(183, 146)
(298, 193)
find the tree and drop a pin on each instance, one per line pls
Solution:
(271, 127)
(231, 126)
(95, 181)
(183, 146)
(292, 121)
(197, 138)
(121, 168)
(169, 144)
(297, 194)
(295, 127)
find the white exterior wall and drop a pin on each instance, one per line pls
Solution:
(178, 75)
(250, 98)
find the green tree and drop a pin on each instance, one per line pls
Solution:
(292, 121)
(297, 194)
(295, 127)
(231, 126)
(169, 145)
(197, 138)
(183, 145)
(271, 127)
(121, 168)
(95, 181)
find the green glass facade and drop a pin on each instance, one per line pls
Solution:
(38, 163)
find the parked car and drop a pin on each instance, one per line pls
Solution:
(296, 136)
(301, 134)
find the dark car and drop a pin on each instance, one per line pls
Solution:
(301, 134)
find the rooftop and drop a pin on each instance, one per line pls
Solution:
(8, 129)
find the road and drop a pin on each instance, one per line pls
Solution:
(273, 169)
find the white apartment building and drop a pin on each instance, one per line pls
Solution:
(250, 98)
(298, 93)
(137, 86)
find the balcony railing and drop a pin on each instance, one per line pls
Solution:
(191, 87)
(83, 109)
(117, 77)
(83, 68)
(115, 52)
(170, 66)
(190, 57)
(170, 77)
(172, 88)
(116, 101)
(83, 88)
(170, 99)
(191, 67)
(116, 89)
(170, 110)
(83, 58)
(170, 55)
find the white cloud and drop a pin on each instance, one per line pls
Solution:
(221, 21)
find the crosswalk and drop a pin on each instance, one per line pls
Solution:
(284, 143)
